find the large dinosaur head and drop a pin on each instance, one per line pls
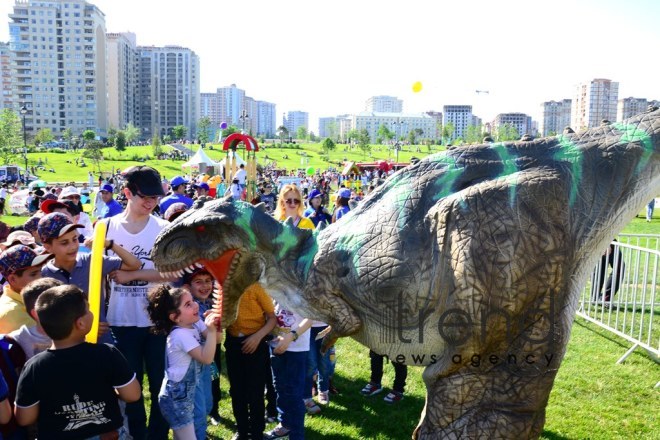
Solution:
(220, 235)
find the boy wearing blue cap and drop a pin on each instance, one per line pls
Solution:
(178, 185)
(111, 206)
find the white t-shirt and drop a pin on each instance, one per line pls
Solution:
(31, 341)
(287, 321)
(240, 175)
(128, 302)
(179, 342)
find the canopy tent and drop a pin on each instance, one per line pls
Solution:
(239, 161)
(200, 158)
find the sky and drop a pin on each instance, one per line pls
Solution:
(328, 57)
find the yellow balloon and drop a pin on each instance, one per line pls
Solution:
(95, 275)
(417, 87)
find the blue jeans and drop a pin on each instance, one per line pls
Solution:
(289, 371)
(317, 362)
(143, 349)
(203, 401)
(123, 435)
(177, 399)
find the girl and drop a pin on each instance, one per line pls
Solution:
(174, 313)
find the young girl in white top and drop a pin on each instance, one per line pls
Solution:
(175, 313)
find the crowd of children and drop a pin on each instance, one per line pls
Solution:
(61, 387)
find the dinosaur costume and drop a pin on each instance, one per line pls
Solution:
(469, 262)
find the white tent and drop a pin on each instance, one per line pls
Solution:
(200, 158)
(239, 161)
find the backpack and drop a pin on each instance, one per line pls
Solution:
(12, 360)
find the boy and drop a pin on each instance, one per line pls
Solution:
(200, 285)
(71, 389)
(18, 266)
(59, 236)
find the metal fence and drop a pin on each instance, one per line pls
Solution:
(622, 293)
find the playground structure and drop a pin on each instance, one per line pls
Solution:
(251, 146)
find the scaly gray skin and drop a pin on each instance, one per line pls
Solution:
(469, 262)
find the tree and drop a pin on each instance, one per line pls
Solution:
(363, 141)
(230, 130)
(413, 134)
(327, 145)
(301, 133)
(10, 134)
(447, 133)
(112, 133)
(331, 130)
(156, 149)
(283, 131)
(120, 141)
(67, 134)
(93, 150)
(89, 135)
(506, 132)
(352, 134)
(179, 131)
(473, 134)
(384, 132)
(203, 130)
(312, 137)
(44, 135)
(131, 132)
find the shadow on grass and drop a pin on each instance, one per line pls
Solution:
(549, 435)
(365, 417)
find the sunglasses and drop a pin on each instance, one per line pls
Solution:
(292, 201)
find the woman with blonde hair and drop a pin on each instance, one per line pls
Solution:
(290, 347)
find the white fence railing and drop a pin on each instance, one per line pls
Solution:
(622, 294)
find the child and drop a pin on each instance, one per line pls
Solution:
(18, 266)
(200, 284)
(71, 389)
(59, 236)
(247, 360)
(173, 312)
(374, 386)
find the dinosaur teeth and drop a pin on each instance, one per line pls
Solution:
(188, 269)
(198, 265)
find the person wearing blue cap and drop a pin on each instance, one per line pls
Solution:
(112, 207)
(202, 189)
(178, 185)
(341, 206)
(315, 211)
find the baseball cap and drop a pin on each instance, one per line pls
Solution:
(203, 186)
(144, 179)
(20, 257)
(314, 193)
(69, 191)
(31, 224)
(106, 187)
(49, 205)
(175, 210)
(345, 193)
(19, 237)
(55, 225)
(177, 180)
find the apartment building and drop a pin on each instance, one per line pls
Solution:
(400, 124)
(520, 121)
(460, 116)
(122, 78)
(594, 101)
(168, 90)
(555, 116)
(629, 107)
(295, 119)
(5, 77)
(58, 65)
(383, 104)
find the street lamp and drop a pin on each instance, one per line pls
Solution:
(243, 117)
(397, 129)
(24, 111)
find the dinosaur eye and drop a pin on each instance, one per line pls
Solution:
(200, 228)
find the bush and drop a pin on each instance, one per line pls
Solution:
(56, 150)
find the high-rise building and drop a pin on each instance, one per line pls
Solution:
(384, 104)
(295, 119)
(594, 101)
(168, 90)
(5, 76)
(555, 116)
(122, 79)
(460, 116)
(629, 107)
(328, 127)
(58, 63)
(231, 105)
(521, 122)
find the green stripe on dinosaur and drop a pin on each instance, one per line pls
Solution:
(569, 152)
(509, 168)
(632, 133)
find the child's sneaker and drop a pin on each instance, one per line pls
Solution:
(278, 432)
(323, 398)
(393, 397)
(312, 407)
(370, 389)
